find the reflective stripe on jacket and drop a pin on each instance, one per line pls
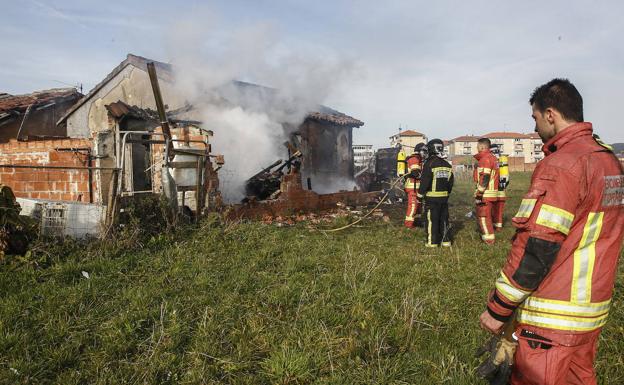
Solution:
(414, 169)
(487, 178)
(437, 180)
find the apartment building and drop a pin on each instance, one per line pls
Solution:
(363, 155)
(407, 139)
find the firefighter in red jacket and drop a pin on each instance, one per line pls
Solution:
(486, 193)
(412, 183)
(559, 276)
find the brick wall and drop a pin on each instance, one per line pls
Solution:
(41, 183)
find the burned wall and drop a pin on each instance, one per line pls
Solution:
(327, 155)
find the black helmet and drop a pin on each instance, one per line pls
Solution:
(421, 149)
(435, 147)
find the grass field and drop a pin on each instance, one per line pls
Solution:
(258, 304)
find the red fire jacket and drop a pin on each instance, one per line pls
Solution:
(412, 182)
(486, 176)
(561, 269)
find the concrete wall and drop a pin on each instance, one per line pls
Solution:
(132, 86)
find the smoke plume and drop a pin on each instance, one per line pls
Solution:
(249, 123)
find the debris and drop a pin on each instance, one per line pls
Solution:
(85, 274)
(267, 183)
(16, 231)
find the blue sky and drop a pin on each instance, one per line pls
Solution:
(445, 68)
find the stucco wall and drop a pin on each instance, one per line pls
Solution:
(132, 86)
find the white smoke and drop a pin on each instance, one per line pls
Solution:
(248, 122)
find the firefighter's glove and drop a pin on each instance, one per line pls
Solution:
(478, 195)
(496, 369)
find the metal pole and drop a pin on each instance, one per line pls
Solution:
(56, 167)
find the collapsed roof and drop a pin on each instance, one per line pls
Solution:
(12, 106)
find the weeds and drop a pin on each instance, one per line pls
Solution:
(248, 303)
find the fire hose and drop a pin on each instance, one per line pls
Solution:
(392, 185)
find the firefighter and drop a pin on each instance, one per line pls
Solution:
(503, 183)
(559, 276)
(412, 183)
(436, 184)
(486, 192)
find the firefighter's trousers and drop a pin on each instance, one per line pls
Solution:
(489, 216)
(498, 208)
(412, 207)
(437, 223)
(554, 364)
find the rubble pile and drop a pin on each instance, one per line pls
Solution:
(341, 211)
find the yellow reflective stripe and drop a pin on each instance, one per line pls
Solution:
(488, 237)
(555, 218)
(436, 169)
(566, 307)
(502, 194)
(491, 184)
(484, 226)
(428, 227)
(557, 322)
(437, 193)
(504, 286)
(409, 184)
(412, 211)
(490, 194)
(584, 258)
(526, 208)
(414, 167)
(485, 170)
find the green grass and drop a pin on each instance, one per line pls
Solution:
(257, 304)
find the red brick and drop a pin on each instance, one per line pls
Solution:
(68, 197)
(17, 186)
(41, 186)
(60, 186)
(44, 195)
(83, 186)
(42, 177)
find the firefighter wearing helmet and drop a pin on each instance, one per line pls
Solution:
(436, 184)
(412, 183)
(559, 276)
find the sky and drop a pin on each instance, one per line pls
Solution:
(443, 68)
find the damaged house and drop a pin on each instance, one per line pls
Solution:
(82, 153)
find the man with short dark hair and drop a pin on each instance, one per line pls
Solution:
(559, 276)
(486, 193)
